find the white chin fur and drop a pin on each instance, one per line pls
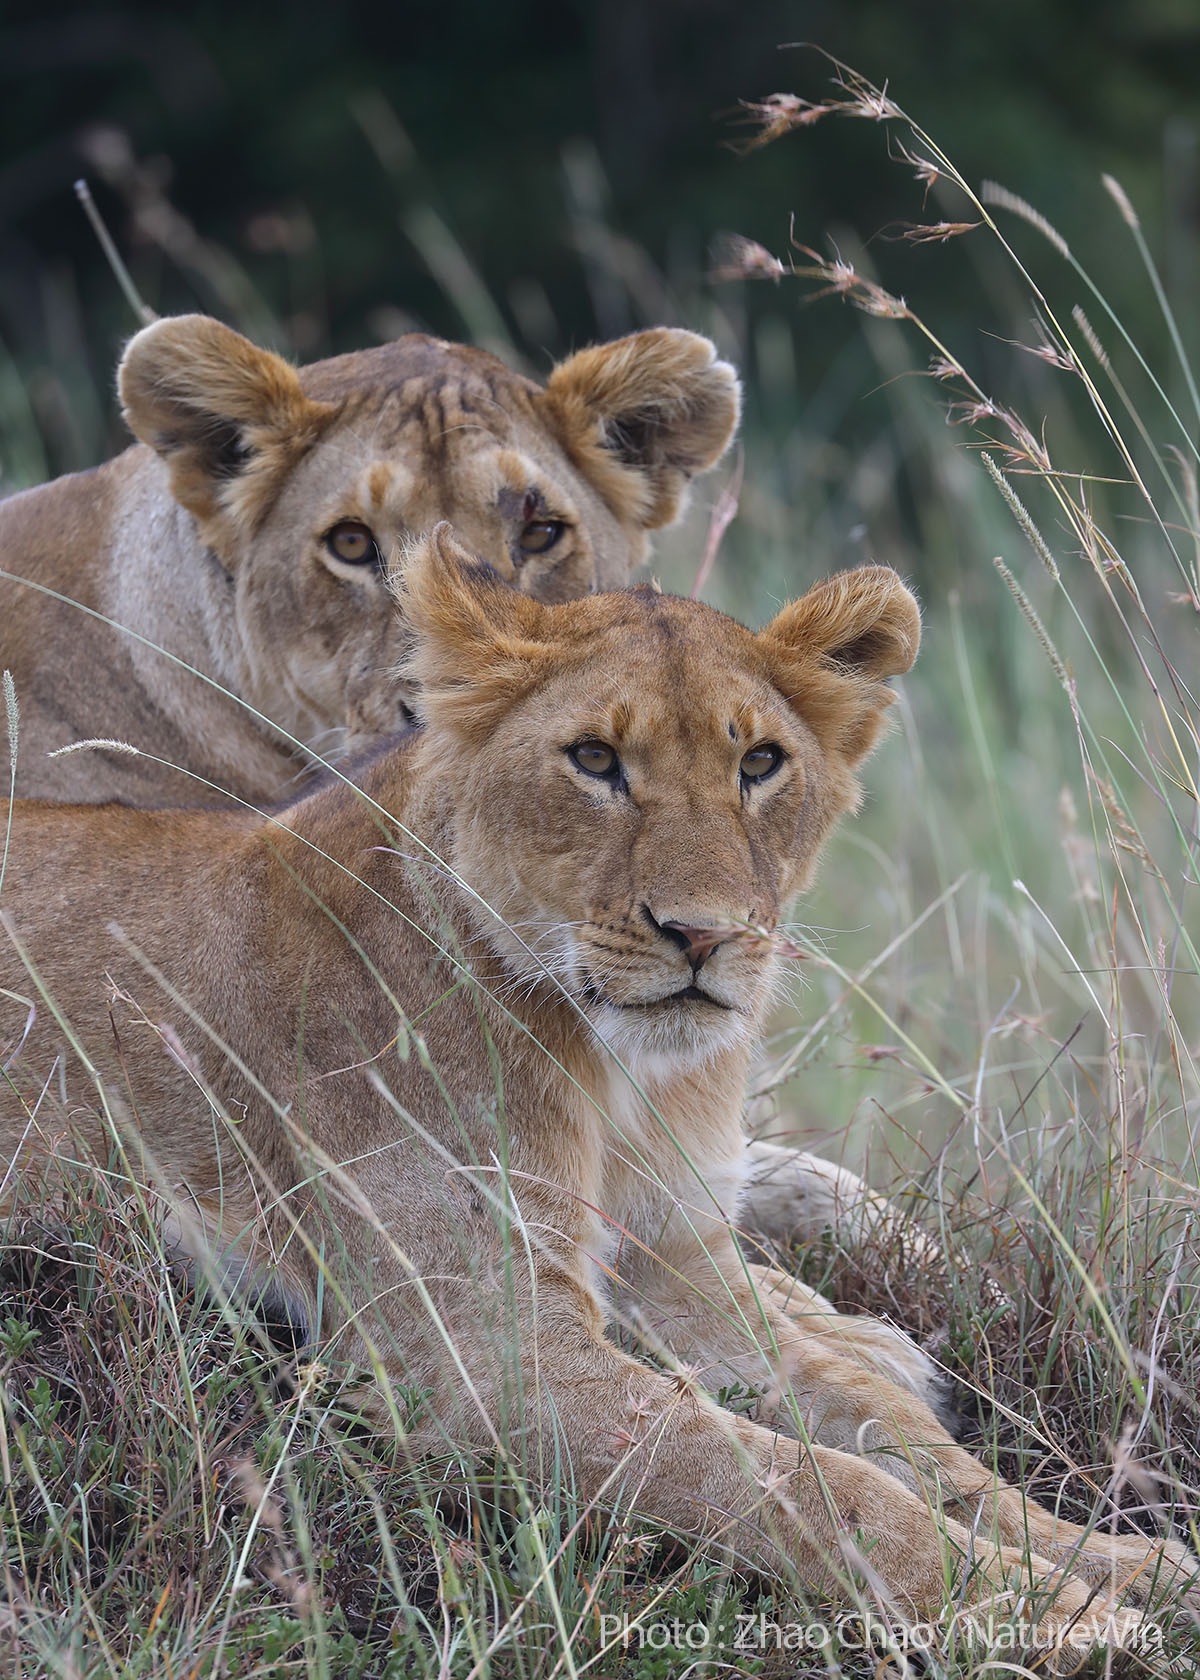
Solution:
(653, 1044)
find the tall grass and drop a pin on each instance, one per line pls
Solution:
(998, 1016)
(1009, 1011)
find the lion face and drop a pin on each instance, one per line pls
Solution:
(308, 486)
(642, 784)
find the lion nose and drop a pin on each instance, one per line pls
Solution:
(696, 943)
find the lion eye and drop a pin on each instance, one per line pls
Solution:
(595, 758)
(540, 535)
(353, 543)
(761, 762)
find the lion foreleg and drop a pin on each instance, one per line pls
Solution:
(790, 1196)
(817, 1374)
(577, 1409)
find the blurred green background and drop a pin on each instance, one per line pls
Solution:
(542, 172)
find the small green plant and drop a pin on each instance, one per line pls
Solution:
(17, 1337)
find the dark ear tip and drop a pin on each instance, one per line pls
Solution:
(439, 553)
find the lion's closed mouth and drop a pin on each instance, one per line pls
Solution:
(688, 994)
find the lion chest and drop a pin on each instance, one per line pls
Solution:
(672, 1156)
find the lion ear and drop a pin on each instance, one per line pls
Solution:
(477, 643)
(643, 415)
(833, 649)
(230, 420)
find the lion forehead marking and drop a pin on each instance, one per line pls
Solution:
(663, 693)
(443, 406)
(748, 719)
(524, 490)
(470, 459)
(382, 485)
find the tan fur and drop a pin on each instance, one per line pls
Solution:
(207, 540)
(440, 1037)
(228, 570)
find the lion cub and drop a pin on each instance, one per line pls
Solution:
(461, 1054)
